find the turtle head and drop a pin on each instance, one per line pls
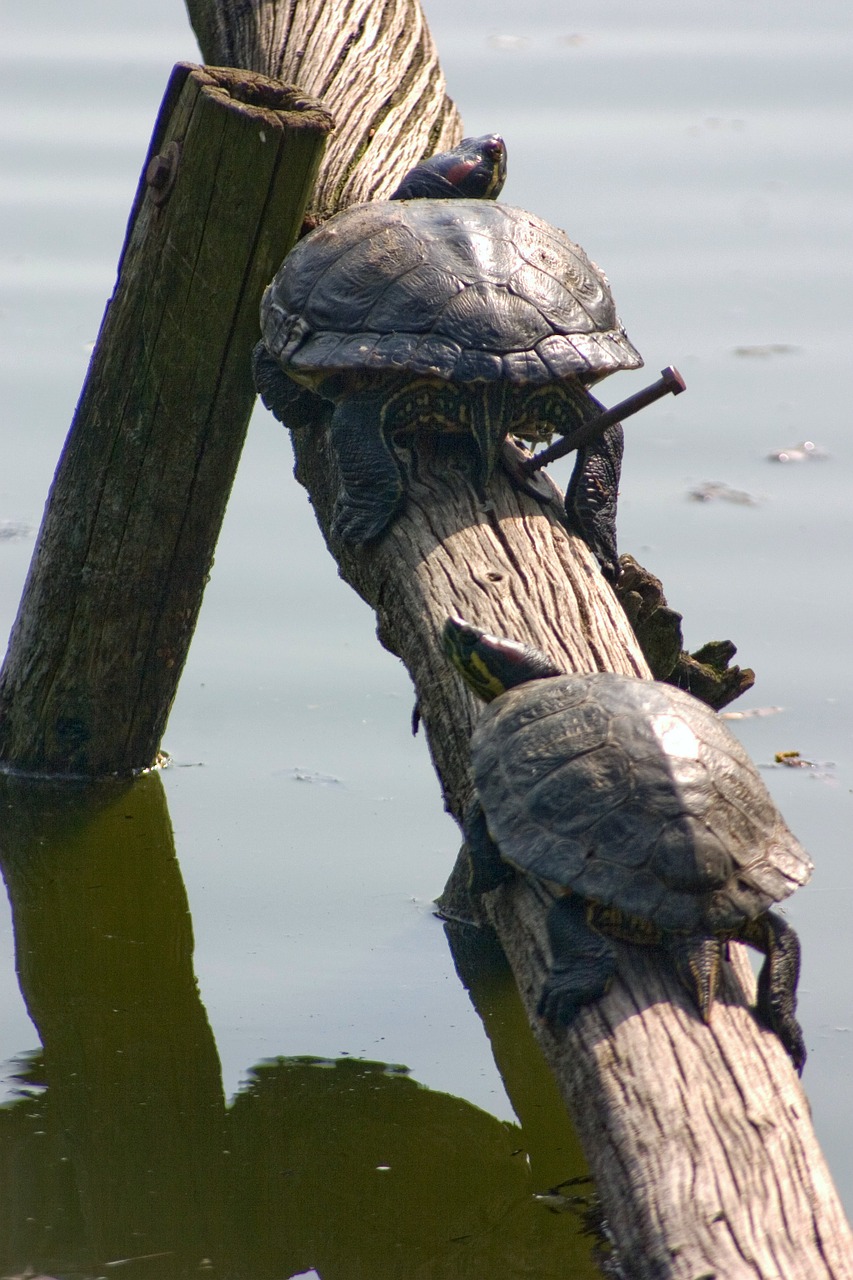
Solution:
(490, 665)
(475, 170)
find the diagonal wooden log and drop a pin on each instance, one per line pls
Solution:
(698, 1137)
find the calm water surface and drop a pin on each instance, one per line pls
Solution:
(705, 164)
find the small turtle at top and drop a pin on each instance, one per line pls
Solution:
(441, 310)
(634, 801)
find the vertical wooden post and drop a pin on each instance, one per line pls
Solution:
(130, 527)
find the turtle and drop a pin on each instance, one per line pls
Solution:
(635, 802)
(441, 309)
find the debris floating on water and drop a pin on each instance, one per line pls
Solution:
(750, 712)
(805, 451)
(11, 529)
(762, 350)
(309, 775)
(716, 491)
(794, 760)
(823, 770)
(507, 43)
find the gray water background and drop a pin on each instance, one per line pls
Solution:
(701, 154)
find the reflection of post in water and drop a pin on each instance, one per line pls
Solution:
(103, 944)
(549, 1135)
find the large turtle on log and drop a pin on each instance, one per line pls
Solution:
(637, 804)
(442, 310)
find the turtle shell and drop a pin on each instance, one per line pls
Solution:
(634, 795)
(462, 290)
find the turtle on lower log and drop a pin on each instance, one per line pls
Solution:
(450, 314)
(634, 801)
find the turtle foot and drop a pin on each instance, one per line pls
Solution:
(558, 1006)
(488, 869)
(592, 494)
(357, 524)
(294, 406)
(698, 961)
(790, 1033)
(370, 489)
(777, 981)
(583, 963)
(706, 673)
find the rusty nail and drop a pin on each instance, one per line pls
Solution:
(670, 382)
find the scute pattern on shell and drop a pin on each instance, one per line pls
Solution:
(465, 290)
(636, 795)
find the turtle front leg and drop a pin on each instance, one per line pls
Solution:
(583, 962)
(371, 486)
(777, 982)
(592, 496)
(488, 869)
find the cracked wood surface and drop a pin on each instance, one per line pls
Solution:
(698, 1137)
(372, 63)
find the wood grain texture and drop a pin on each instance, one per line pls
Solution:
(131, 523)
(373, 64)
(699, 1137)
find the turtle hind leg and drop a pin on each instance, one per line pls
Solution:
(582, 962)
(697, 962)
(294, 405)
(777, 982)
(371, 486)
(593, 490)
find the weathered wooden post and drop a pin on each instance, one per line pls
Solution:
(131, 523)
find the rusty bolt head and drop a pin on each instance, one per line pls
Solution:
(162, 171)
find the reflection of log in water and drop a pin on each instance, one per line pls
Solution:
(549, 1136)
(103, 944)
(353, 1168)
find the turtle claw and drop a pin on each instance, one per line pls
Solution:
(583, 962)
(557, 1006)
(356, 524)
(776, 1004)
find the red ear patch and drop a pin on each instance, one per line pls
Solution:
(459, 172)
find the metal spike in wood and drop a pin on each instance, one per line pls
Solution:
(669, 383)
